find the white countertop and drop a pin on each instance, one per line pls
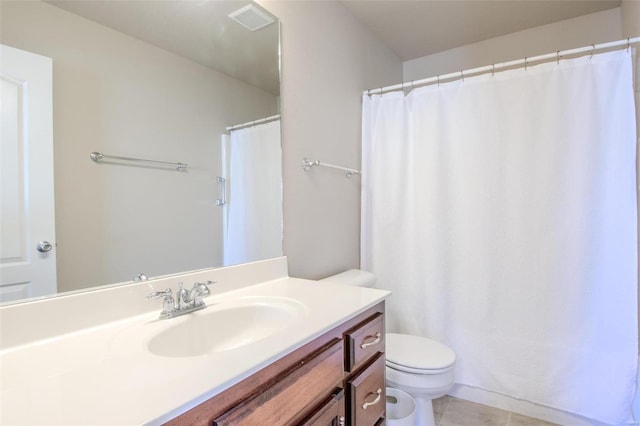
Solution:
(105, 375)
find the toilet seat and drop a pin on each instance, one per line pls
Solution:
(420, 371)
(417, 355)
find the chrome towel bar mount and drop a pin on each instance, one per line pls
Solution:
(308, 164)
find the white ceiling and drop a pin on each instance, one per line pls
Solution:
(417, 28)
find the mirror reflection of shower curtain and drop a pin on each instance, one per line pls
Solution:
(252, 218)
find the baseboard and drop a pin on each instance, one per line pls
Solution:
(526, 408)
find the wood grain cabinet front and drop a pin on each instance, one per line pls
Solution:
(330, 412)
(284, 400)
(364, 341)
(366, 394)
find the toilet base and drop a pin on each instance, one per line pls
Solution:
(423, 396)
(424, 412)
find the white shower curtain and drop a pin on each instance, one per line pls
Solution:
(253, 219)
(501, 212)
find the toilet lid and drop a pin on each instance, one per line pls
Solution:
(417, 352)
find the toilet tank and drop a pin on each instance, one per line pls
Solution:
(353, 277)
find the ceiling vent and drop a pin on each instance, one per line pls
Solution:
(251, 17)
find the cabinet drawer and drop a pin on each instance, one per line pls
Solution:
(364, 341)
(306, 384)
(367, 394)
(330, 412)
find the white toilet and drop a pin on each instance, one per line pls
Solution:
(421, 367)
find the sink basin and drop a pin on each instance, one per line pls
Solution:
(225, 326)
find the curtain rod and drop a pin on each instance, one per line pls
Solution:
(253, 123)
(480, 70)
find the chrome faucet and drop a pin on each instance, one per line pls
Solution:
(187, 301)
(168, 305)
(182, 301)
(198, 291)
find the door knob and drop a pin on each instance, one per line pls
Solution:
(44, 246)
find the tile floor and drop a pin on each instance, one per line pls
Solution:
(450, 411)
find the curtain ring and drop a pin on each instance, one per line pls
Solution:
(593, 48)
(558, 57)
(628, 45)
(369, 92)
(438, 79)
(462, 75)
(525, 63)
(493, 70)
(412, 87)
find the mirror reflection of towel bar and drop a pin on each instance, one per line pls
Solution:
(97, 157)
(223, 189)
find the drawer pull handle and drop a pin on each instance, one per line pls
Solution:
(376, 339)
(377, 393)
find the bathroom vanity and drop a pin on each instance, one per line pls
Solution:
(336, 379)
(268, 349)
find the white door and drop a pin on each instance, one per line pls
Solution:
(26, 176)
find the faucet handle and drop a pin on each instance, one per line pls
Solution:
(168, 305)
(159, 294)
(200, 290)
(204, 287)
(206, 284)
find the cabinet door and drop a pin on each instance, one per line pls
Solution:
(364, 341)
(367, 398)
(330, 412)
(303, 385)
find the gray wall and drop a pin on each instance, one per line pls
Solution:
(328, 59)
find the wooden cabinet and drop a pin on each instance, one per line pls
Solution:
(366, 394)
(335, 380)
(330, 412)
(364, 341)
(303, 385)
(364, 359)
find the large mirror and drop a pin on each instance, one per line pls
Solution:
(160, 80)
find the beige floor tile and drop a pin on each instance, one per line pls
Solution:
(466, 413)
(440, 406)
(520, 420)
